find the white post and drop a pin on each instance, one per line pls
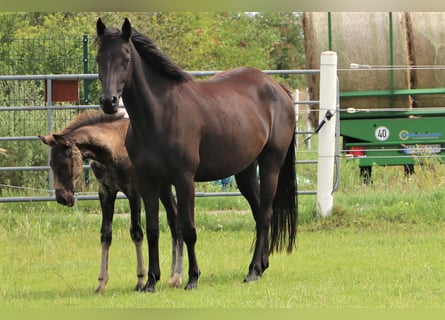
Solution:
(326, 135)
(309, 127)
(297, 112)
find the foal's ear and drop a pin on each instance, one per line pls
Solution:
(126, 30)
(48, 140)
(61, 140)
(100, 27)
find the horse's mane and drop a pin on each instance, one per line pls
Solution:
(91, 117)
(150, 53)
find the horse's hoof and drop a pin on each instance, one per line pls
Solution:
(149, 289)
(252, 276)
(150, 286)
(100, 289)
(191, 285)
(102, 283)
(138, 287)
(175, 281)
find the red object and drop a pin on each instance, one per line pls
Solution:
(357, 151)
(63, 90)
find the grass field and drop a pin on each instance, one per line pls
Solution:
(382, 247)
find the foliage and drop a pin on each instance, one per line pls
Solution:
(52, 43)
(36, 43)
(43, 43)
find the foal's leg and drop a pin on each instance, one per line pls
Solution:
(247, 182)
(177, 265)
(186, 226)
(107, 200)
(137, 236)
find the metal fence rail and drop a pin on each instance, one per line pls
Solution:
(49, 108)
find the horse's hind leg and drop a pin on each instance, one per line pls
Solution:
(107, 200)
(269, 172)
(247, 182)
(177, 264)
(137, 236)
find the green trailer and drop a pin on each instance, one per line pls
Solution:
(401, 138)
(392, 135)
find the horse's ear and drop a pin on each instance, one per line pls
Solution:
(100, 27)
(126, 30)
(61, 140)
(48, 140)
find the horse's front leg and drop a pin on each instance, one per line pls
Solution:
(186, 227)
(177, 264)
(150, 195)
(137, 236)
(107, 200)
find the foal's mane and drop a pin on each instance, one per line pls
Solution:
(90, 117)
(149, 52)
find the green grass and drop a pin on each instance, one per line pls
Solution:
(360, 257)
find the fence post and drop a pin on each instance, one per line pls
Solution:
(49, 103)
(86, 90)
(326, 136)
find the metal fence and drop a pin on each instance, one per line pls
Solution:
(20, 125)
(44, 55)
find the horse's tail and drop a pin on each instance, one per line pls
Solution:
(285, 209)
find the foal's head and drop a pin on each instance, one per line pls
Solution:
(114, 60)
(66, 163)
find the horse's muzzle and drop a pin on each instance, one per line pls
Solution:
(109, 103)
(65, 198)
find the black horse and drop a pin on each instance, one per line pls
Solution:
(182, 130)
